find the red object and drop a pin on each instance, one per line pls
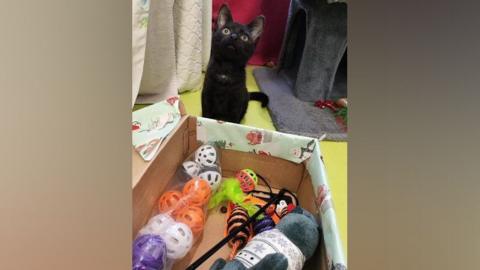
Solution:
(263, 153)
(136, 125)
(254, 137)
(334, 107)
(326, 104)
(172, 100)
(276, 14)
(290, 207)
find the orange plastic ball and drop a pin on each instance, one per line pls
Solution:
(169, 201)
(248, 180)
(197, 191)
(193, 216)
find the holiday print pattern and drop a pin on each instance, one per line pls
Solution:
(290, 147)
(263, 142)
(160, 119)
(152, 124)
(269, 242)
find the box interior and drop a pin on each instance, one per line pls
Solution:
(150, 180)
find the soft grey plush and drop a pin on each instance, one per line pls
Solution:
(299, 227)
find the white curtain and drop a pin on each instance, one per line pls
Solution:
(176, 50)
(140, 10)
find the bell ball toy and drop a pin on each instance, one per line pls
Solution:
(149, 252)
(197, 191)
(179, 240)
(169, 201)
(193, 217)
(157, 224)
(248, 179)
(191, 168)
(212, 175)
(206, 155)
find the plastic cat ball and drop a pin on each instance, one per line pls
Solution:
(157, 224)
(248, 180)
(149, 252)
(206, 155)
(179, 240)
(169, 201)
(197, 191)
(193, 216)
(191, 168)
(212, 176)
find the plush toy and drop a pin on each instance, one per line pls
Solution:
(287, 247)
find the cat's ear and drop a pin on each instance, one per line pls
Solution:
(256, 27)
(224, 16)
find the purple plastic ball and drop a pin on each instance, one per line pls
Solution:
(149, 252)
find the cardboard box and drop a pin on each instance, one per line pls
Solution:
(300, 170)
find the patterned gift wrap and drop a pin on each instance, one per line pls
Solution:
(152, 124)
(290, 147)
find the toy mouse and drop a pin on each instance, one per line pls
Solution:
(287, 247)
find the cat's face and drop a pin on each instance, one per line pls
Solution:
(234, 41)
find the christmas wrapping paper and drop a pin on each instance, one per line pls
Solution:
(152, 124)
(290, 147)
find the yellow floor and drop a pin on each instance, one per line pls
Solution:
(334, 153)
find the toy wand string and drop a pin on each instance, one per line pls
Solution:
(232, 234)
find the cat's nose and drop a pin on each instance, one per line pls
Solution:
(234, 36)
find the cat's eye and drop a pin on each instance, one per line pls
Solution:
(226, 31)
(244, 38)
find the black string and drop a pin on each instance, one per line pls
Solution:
(232, 234)
(293, 195)
(297, 203)
(266, 183)
(271, 191)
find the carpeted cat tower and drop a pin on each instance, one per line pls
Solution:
(312, 68)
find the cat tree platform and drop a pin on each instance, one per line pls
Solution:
(312, 67)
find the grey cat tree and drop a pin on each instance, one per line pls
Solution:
(312, 67)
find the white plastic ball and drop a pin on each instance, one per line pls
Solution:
(212, 176)
(179, 240)
(158, 224)
(191, 168)
(206, 155)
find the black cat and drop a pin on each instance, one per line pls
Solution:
(225, 96)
